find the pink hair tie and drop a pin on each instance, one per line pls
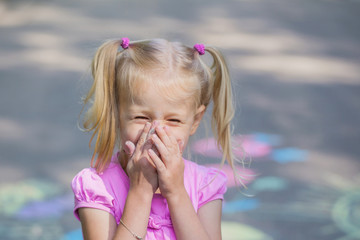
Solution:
(125, 43)
(200, 48)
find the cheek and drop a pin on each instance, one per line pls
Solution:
(181, 135)
(132, 133)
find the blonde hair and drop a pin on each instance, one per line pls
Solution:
(118, 75)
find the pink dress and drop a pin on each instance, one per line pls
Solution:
(107, 191)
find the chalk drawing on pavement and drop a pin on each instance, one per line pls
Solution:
(236, 231)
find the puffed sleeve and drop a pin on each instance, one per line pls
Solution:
(90, 191)
(212, 186)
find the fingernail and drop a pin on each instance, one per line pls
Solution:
(127, 147)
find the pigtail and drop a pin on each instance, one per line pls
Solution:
(223, 109)
(101, 118)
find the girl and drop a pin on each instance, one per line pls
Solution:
(149, 97)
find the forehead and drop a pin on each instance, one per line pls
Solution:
(162, 101)
(170, 89)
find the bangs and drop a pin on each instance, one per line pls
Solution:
(166, 67)
(174, 87)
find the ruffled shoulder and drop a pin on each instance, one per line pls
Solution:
(90, 190)
(212, 184)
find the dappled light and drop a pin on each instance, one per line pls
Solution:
(295, 68)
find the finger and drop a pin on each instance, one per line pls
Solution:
(159, 165)
(163, 135)
(160, 146)
(143, 138)
(153, 128)
(148, 144)
(170, 141)
(170, 135)
(144, 134)
(153, 147)
(129, 148)
(181, 146)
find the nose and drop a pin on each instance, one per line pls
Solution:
(154, 124)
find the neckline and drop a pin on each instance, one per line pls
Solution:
(158, 195)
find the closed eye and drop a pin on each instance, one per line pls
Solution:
(141, 117)
(174, 120)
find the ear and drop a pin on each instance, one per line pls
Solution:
(197, 119)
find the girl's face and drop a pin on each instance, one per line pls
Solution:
(180, 117)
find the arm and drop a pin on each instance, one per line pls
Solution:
(135, 218)
(143, 184)
(206, 224)
(100, 225)
(210, 217)
(105, 224)
(170, 167)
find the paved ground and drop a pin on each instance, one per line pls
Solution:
(295, 67)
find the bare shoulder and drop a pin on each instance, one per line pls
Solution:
(105, 224)
(210, 217)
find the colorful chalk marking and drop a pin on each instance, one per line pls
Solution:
(244, 146)
(14, 196)
(241, 205)
(74, 235)
(246, 175)
(287, 155)
(53, 208)
(236, 231)
(270, 183)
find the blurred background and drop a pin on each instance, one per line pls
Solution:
(296, 74)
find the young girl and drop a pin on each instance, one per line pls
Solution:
(148, 97)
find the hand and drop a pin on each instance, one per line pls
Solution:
(170, 165)
(141, 172)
